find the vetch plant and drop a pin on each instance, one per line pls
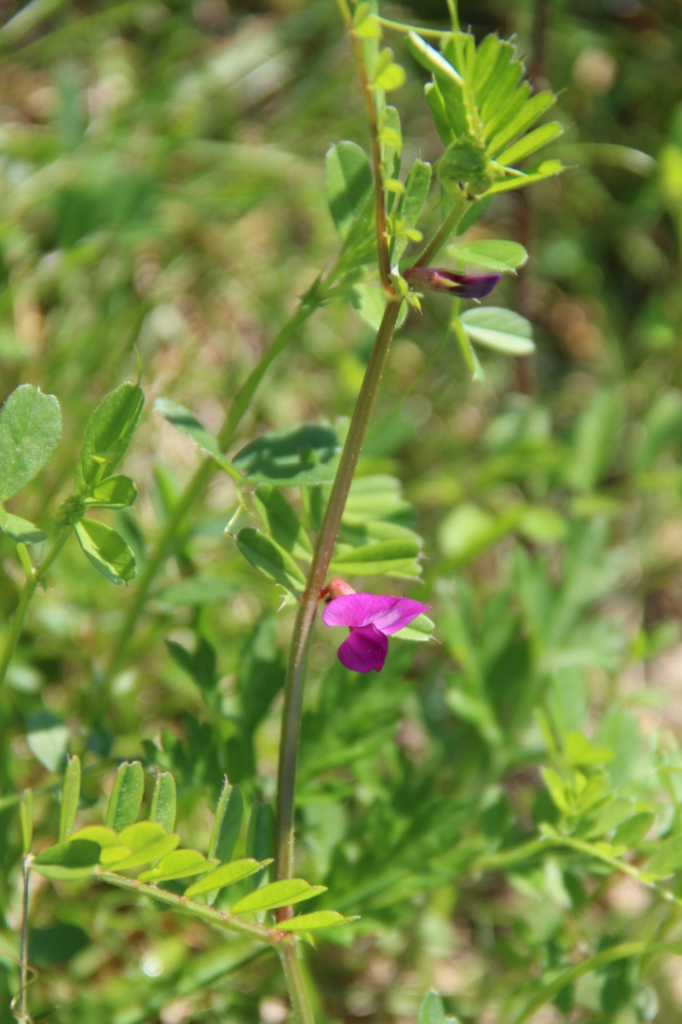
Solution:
(486, 116)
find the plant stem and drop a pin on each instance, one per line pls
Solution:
(209, 914)
(444, 231)
(296, 984)
(23, 977)
(200, 480)
(28, 590)
(383, 255)
(296, 672)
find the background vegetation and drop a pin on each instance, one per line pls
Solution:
(161, 169)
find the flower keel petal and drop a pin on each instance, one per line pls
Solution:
(365, 649)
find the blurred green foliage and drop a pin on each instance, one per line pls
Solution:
(161, 177)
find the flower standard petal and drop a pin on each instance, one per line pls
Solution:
(365, 649)
(356, 610)
(400, 615)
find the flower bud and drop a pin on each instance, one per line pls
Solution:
(339, 588)
(465, 286)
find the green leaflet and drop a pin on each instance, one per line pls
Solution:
(177, 864)
(348, 183)
(667, 859)
(187, 423)
(270, 559)
(69, 861)
(47, 738)
(499, 329)
(497, 255)
(411, 204)
(432, 1011)
(30, 428)
(114, 492)
(126, 796)
(377, 559)
(109, 433)
(227, 823)
(107, 550)
(277, 894)
(313, 922)
(153, 850)
(164, 801)
(283, 524)
(296, 456)
(226, 874)
(20, 530)
(530, 143)
(71, 788)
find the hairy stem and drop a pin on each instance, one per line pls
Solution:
(209, 914)
(383, 255)
(36, 575)
(296, 983)
(199, 481)
(296, 672)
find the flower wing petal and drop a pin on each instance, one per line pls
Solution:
(400, 615)
(365, 649)
(356, 610)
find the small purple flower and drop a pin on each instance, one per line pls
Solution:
(371, 618)
(465, 286)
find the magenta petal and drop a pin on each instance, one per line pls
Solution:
(365, 649)
(356, 610)
(400, 615)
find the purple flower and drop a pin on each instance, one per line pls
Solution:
(371, 618)
(466, 286)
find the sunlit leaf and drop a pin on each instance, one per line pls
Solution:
(187, 423)
(349, 184)
(499, 329)
(30, 428)
(277, 894)
(108, 435)
(178, 864)
(107, 550)
(296, 456)
(226, 874)
(270, 559)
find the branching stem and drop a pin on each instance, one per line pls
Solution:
(251, 930)
(36, 575)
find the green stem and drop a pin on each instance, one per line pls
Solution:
(381, 225)
(209, 914)
(26, 596)
(444, 231)
(23, 977)
(624, 951)
(296, 672)
(296, 984)
(200, 479)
